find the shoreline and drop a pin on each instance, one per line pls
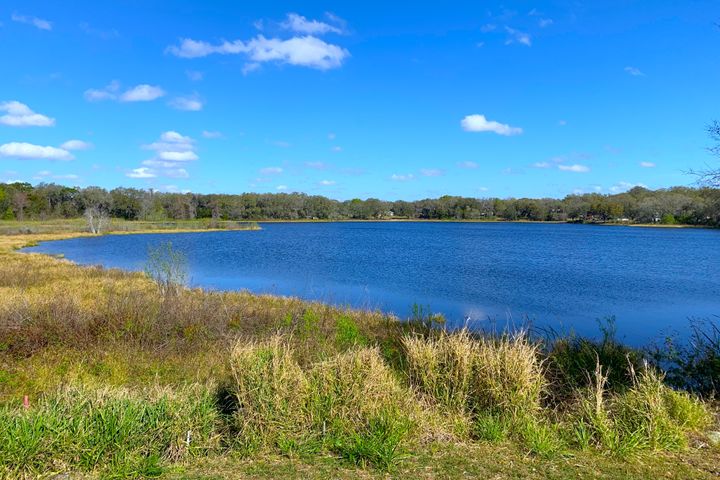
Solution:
(88, 333)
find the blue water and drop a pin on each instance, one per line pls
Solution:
(558, 275)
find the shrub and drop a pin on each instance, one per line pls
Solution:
(694, 364)
(167, 267)
(348, 333)
(571, 358)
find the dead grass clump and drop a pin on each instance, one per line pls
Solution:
(474, 374)
(271, 392)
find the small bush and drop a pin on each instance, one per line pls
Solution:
(350, 404)
(348, 333)
(168, 268)
(693, 364)
(659, 414)
(571, 358)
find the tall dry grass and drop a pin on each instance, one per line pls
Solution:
(475, 373)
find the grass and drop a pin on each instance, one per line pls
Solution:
(79, 225)
(113, 433)
(118, 370)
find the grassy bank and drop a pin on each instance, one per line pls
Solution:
(126, 379)
(116, 225)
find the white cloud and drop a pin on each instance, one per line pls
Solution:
(516, 36)
(327, 183)
(478, 123)
(634, 71)
(271, 171)
(20, 115)
(336, 149)
(488, 27)
(577, 168)
(172, 152)
(281, 188)
(431, 172)
(402, 178)
(298, 23)
(30, 20)
(138, 93)
(469, 165)
(142, 93)
(28, 151)
(190, 104)
(141, 172)
(211, 134)
(173, 136)
(186, 156)
(76, 145)
(647, 164)
(545, 22)
(541, 165)
(305, 51)
(107, 93)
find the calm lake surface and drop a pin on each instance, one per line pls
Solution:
(564, 276)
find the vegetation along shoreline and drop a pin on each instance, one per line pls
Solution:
(132, 375)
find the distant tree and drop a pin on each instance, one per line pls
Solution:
(97, 219)
(20, 202)
(97, 203)
(711, 177)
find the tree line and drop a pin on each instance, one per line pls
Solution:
(23, 201)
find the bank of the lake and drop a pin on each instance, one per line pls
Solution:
(558, 276)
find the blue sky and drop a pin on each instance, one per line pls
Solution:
(371, 99)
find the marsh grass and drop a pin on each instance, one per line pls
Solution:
(460, 371)
(350, 404)
(648, 416)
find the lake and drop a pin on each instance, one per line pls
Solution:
(558, 275)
